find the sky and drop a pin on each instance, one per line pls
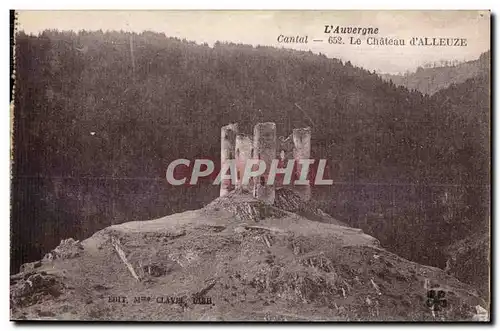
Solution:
(264, 27)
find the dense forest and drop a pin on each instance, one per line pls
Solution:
(99, 115)
(431, 79)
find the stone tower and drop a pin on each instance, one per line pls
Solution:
(285, 153)
(302, 150)
(237, 148)
(244, 150)
(228, 143)
(264, 145)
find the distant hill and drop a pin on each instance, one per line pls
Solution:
(431, 80)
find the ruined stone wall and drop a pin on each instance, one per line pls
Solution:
(302, 150)
(264, 149)
(264, 146)
(244, 150)
(285, 149)
(228, 144)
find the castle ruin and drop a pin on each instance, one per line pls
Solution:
(228, 142)
(302, 151)
(237, 148)
(244, 151)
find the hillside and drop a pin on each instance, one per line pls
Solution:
(220, 264)
(409, 169)
(431, 80)
(469, 254)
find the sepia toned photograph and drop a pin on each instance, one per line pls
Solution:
(250, 166)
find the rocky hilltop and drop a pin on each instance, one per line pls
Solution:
(237, 259)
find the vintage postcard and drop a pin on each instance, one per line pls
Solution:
(251, 166)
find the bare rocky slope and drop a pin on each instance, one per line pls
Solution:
(236, 259)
